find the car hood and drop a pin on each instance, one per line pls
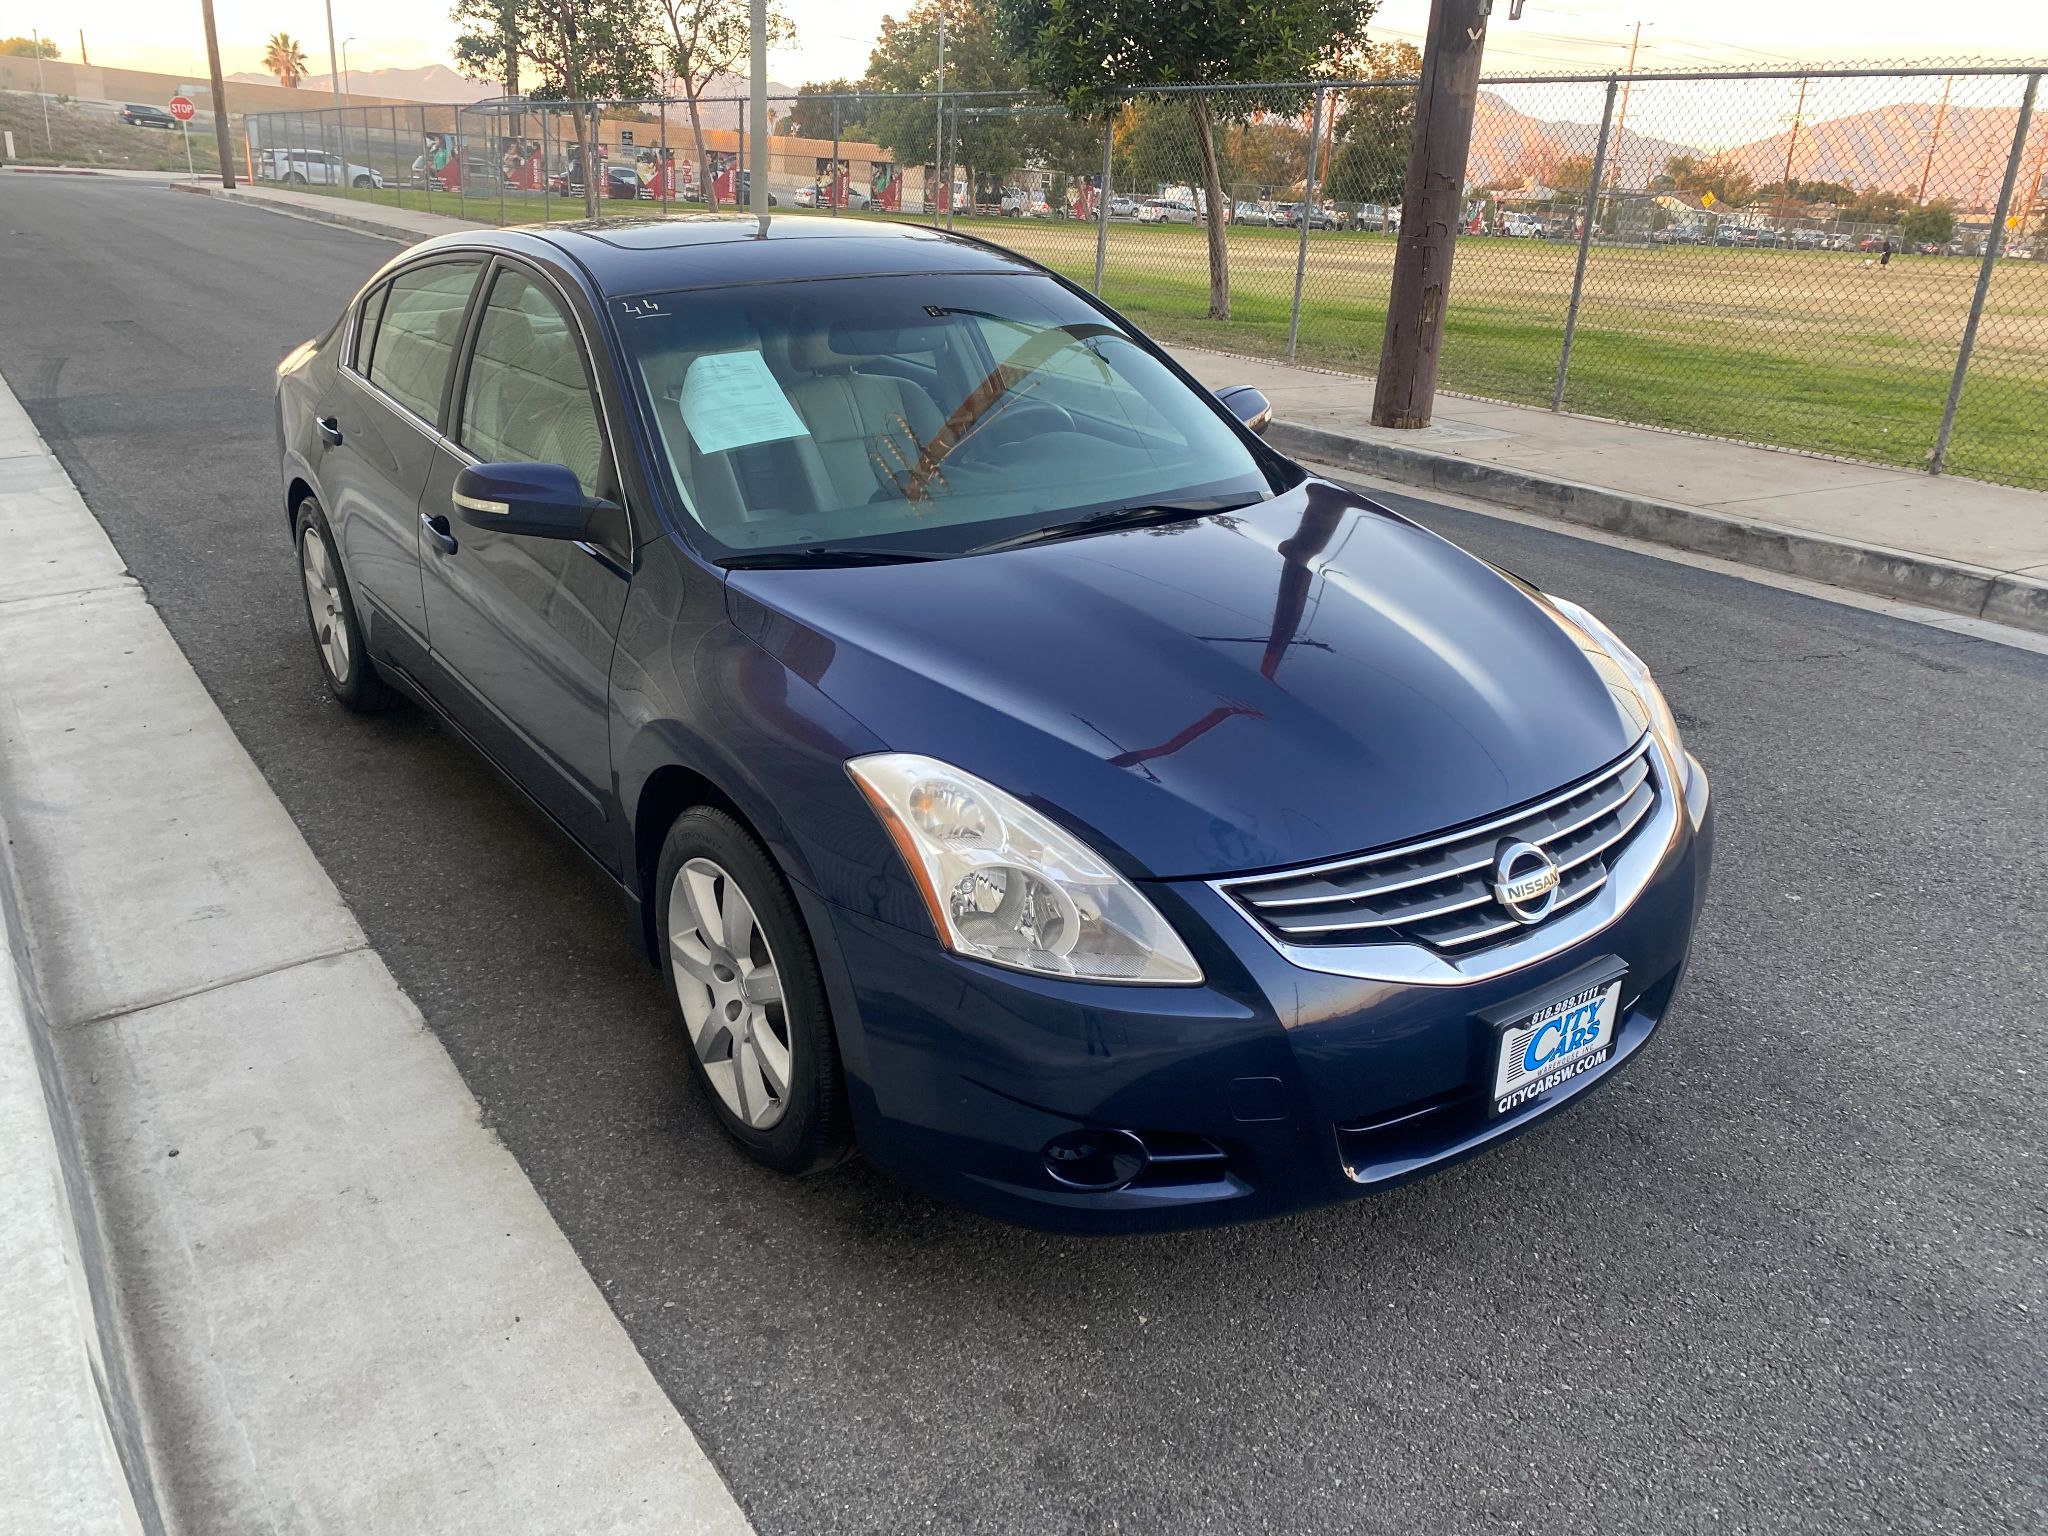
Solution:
(1308, 677)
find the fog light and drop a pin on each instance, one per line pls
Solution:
(1098, 1161)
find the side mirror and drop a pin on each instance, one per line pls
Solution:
(1249, 405)
(542, 501)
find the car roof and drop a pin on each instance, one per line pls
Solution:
(623, 257)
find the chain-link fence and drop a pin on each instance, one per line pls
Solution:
(1848, 262)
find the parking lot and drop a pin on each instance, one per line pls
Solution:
(1787, 1274)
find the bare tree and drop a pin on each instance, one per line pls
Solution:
(706, 38)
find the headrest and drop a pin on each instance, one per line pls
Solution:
(851, 338)
(721, 331)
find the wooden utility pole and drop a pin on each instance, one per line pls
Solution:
(1933, 141)
(1628, 80)
(1432, 205)
(1792, 143)
(220, 98)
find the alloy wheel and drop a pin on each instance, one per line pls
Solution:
(324, 603)
(731, 993)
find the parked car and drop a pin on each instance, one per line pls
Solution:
(710, 538)
(1251, 213)
(1289, 215)
(1521, 226)
(1122, 207)
(821, 197)
(315, 167)
(1159, 210)
(138, 115)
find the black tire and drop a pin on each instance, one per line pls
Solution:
(815, 1129)
(293, 178)
(364, 184)
(359, 687)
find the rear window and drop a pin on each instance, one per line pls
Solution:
(417, 332)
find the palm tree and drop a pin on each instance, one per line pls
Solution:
(285, 59)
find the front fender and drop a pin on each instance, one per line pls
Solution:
(696, 704)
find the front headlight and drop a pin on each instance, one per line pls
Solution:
(1637, 693)
(1006, 885)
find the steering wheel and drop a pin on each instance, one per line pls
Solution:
(1016, 423)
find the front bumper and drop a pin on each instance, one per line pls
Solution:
(1270, 1088)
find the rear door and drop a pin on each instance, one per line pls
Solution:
(524, 628)
(376, 449)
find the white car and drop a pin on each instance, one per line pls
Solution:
(1160, 210)
(317, 167)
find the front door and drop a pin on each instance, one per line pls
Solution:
(380, 430)
(523, 628)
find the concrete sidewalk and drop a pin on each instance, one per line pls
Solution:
(1963, 546)
(265, 1269)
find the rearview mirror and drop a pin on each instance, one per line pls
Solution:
(542, 501)
(1249, 405)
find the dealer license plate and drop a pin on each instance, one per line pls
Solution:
(1564, 1039)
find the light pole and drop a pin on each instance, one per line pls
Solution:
(347, 85)
(36, 39)
(333, 57)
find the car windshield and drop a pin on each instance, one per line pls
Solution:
(926, 414)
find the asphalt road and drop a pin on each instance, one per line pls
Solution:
(1787, 1275)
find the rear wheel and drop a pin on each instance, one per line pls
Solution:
(331, 615)
(295, 178)
(743, 977)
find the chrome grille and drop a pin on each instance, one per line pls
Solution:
(1439, 892)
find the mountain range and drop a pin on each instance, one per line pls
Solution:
(1884, 148)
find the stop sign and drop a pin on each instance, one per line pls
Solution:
(182, 108)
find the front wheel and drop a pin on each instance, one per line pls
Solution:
(744, 980)
(293, 178)
(364, 184)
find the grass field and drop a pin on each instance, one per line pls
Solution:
(1818, 350)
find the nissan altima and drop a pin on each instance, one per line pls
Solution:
(1019, 770)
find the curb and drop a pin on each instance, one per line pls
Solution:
(357, 222)
(1976, 591)
(107, 1484)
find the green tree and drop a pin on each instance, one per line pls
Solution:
(285, 59)
(1931, 223)
(1874, 207)
(1093, 55)
(1369, 161)
(583, 51)
(1272, 154)
(987, 136)
(1571, 173)
(1690, 174)
(703, 40)
(810, 116)
(28, 48)
(1153, 148)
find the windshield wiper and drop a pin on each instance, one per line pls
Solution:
(822, 556)
(1142, 515)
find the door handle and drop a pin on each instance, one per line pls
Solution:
(438, 530)
(330, 430)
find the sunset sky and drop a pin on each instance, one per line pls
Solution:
(834, 36)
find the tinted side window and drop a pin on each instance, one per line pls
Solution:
(366, 328)
(417, 334)
(528, 398)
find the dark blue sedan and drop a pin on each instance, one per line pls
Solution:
(1019, 770)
